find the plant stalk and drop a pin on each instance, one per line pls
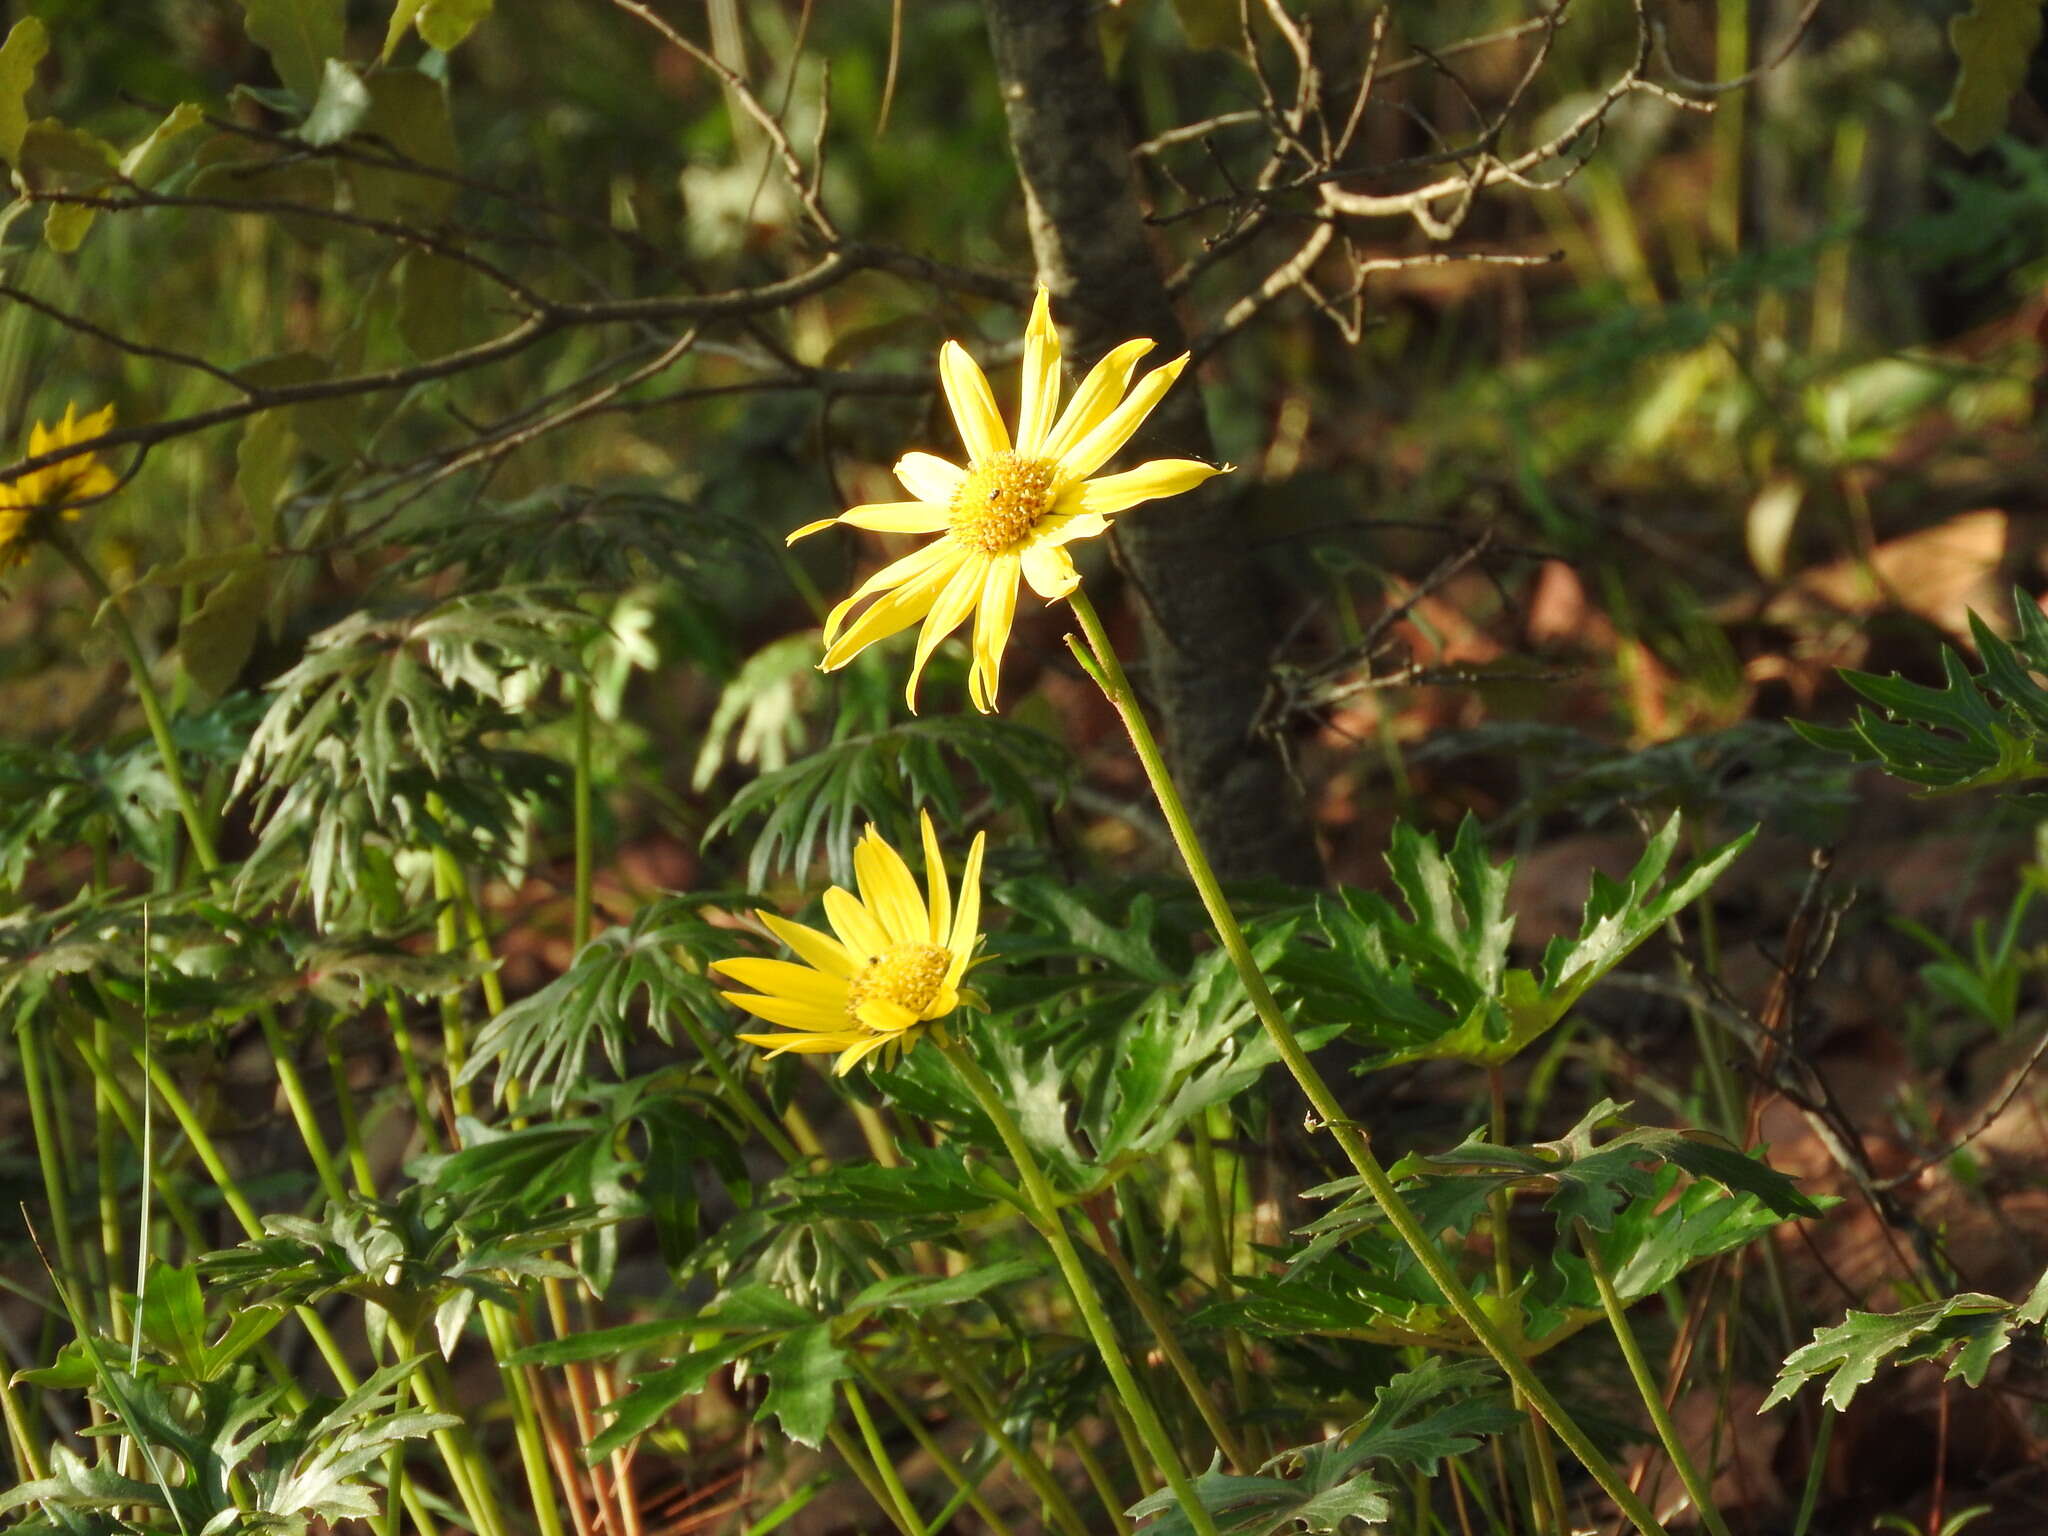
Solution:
(1046, 1217)
(1109, 673)
(1647, 1386)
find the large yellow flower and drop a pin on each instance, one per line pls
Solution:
(894, 966)
(30, 501)
(1015, 507)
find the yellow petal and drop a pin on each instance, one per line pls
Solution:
(893, 611)
(888, 890)
(804, 1045)
(1050, 570)
(929, 477)
(788, 1012)
(1148, 482)
(780, 978)
(864, 938)
(992, 629)
(949, 610)
(967, 916)
(816, 949)
(939, 894)
(896, 517)
(810, 528)
(858, 1052)
(1093, 451)
(886, 1017)
(1095, 399)
(1056, 531)
(974, 406)
(896, 573)
(1040, 391)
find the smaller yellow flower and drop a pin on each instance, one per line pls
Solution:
(27, 504)
(893, 967)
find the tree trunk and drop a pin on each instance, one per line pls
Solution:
(1209, 619)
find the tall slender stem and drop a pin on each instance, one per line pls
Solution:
(1046, 1217)
(1647, 1384)
(969, 1487)
(1219, 1231)
(145, 691)
(878, 1453)
(1352, 1138)
(581, 810)
(1163, 1332)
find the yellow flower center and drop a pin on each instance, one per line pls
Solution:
(1000, 501)
(908, 975)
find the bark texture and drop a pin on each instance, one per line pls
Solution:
(1210, 621)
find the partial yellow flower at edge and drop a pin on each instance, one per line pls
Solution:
(1015, 507)
(27, 503)
(889, 968)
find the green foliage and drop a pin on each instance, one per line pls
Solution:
(1437, 1410)
(1436, 984)
(1993, 40)
(230, 1458)
(1848, 1353)
(1588, 1182)
(381, 742)
(542, 1043)
(1977, 730)
(821, 802)
(421, 1259)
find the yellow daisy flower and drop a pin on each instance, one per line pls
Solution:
(891, 965)
(1015, 507)
(26, 504)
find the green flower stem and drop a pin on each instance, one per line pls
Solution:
(1147, 1475)
(28, 1461)
(113, 1242)
(124, 1111)
(448, 936)
(906, 1512)
(533, 1451)
(467, 1469)
(35, 1079)
(301, 1105)
(964, 1380)
(1098, 1479)
(1537, 1462)
(856, 1462)
(1221, 1263)
(969, 1488)
(580, 803)
(1109, 673)
(415, 1079)
(394, 1471)
(351, 1126)
(1163, 1331)
(1045, 1214)
(1647, 1385)
(146, 692)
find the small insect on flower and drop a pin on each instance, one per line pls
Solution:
(890, 967)
(1015, 507)
(32, 501)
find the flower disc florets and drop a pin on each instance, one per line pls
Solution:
(908, 975)
(1000, 500)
